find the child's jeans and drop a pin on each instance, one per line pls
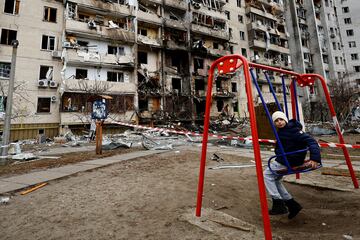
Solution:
(273, 183)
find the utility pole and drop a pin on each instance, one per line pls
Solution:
(7, 122)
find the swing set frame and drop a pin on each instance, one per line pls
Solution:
(231, 63)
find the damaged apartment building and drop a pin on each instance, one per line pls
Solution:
(149, 59)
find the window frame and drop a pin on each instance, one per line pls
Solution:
(48, 43)
(39, 107)
(120, 76)
(47, 17)
(2, 71)
(7, 32)
(15, 7)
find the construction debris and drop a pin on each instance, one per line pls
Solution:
(4, 200)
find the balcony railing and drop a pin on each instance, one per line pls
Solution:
(180, 4)
(81, 57)
(121, 9)
(217, 33)
(170, 44)
(149, 41)
(72, 85)
(218, 52)
(149, 18)
(273, 47)
(250, 9)
(175, 24)
(98, 32)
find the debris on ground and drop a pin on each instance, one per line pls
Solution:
(24, 156)
(4, 200)
(33, 188)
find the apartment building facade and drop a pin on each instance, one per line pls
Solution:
(149, 59)
(349, 23)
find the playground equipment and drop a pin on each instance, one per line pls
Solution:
(229, 64)
(288, 170)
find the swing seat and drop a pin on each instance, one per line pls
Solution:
(305, 167)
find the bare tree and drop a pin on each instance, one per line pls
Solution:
(343, 97)
(19, 109)
(89, 90)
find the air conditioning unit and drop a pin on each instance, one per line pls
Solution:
(56, 54)
(53, 84)
(43, 83)
(66, 44)
(53, 98)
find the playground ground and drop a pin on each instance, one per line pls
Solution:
(151, 198)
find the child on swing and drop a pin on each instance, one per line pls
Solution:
(292, 139)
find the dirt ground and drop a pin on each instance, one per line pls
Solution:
(146, 198)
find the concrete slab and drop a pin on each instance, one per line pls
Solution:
(62, 150)
(35, 177)
(71, 169)
(10, 186)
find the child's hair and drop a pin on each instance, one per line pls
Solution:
(279, 114)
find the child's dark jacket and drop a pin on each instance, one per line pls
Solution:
(292, 139)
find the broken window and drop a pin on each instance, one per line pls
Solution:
(81, 73)
(142, 32)
(5, 70)
(115, 76)
(71, 10)
(7, 36)
(48, 43)
(83, 17)
(116, 50)
(143, 104)
(198, 64)
(199, 84)
(82, 43)
(43, 105)
(46, 72)
(219, 105)
(216, 45)
(233, 87)
(12, 6)
(3, 100)
(235, 107)
(244, 52)
(242, 35)
(176, 84)
(142, 57)
(218, 85)
(50, 14)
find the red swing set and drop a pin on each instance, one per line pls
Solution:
(231, 63)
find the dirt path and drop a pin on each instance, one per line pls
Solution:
(146, 198)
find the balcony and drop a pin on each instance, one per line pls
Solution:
(223, 93)
(255, 26)
(218, 52)
(261, 44)
(180, 25)
(149, 41)
(216, 33)
(76, 57)
(75, 118)
(149, 18)
(179, 4)
(74, 85)
(250, 9)
(201, 72)
(172, 45)
(99, 32)
(95, 6)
